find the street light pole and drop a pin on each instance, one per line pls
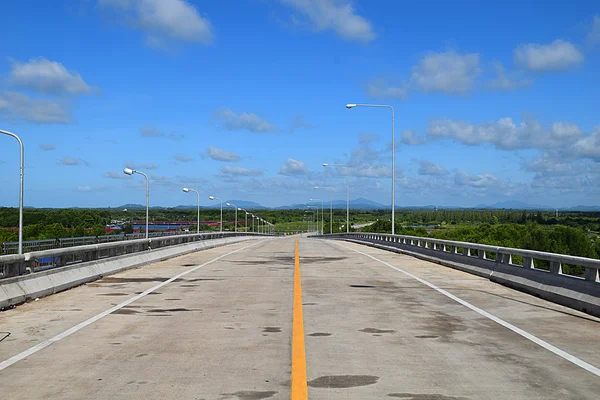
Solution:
(347, 194)
(21, 176)
(187, 190)
(221, 224)
(234, 206)
(241, 209)
(322, 223)
(330, 205)
(129, 171)
(393, 156)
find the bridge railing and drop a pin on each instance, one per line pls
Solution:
(35, 261)
(46, 244)
(485, 256)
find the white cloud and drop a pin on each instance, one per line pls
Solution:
(84, 188)
(411, 138)
(45, 76)
(164, 20)
(594, 35)
(239, 171)
(380, 88)
(293, 167)
(337, 15)
(367, 170)
(182, 158)
(430, 168)
(47, 147)
(176, 136)
(461, 178)
(506, 80)
(115, 175)
(221, 155)
(19, 106)
(142, 166)
(551, 164)
(72, 161)
(588, 146)
(556, 56)
(248, 121)
(448, 72)
(505, 134)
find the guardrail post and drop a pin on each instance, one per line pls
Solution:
(591, 274)
(481, 254)
(555, 267)
(466, 251)
(528, 262)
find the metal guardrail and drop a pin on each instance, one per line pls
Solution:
(35, 261)
(46, 244)
(481, 254)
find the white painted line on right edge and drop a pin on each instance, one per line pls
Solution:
(561, 353)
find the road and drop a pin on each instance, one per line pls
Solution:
(217, 324)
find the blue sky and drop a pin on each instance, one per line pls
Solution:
(246, 100)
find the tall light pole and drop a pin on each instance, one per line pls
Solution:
(252, 222)
(234, 206)
(241, 209)
(393, 168)
(322, 223)
(221, 224)
(187, 190)
(347, 194)
(330, 205)
(21, 175)
(129, 171)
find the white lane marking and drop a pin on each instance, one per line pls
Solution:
(14, 359)
(526, 335)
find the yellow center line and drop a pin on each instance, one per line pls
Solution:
(299, 388)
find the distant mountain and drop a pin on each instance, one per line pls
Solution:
(245, 204)
(582, 208)
(514, 205)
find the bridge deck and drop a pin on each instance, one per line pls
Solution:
(224, 331)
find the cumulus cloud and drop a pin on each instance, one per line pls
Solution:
(47, 147)
(142, 166)
(20, 107)
(367, 137)
(556, 56)
(448, 72)
(84, 188)
(221, 155)
(73, 161)
(505, 80)
(293, 167)
(430, 168)
(551, 164)
(461, 178)
(336, 15)
(244, 121)
(239, 171)
(505, 134)
(45, 76)
(182, 158)
(150, 131)
(588, 146)
(368, 170)
(163, 21)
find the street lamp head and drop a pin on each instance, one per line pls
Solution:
(228, 204)
(326, 165)
(128, 171)
(211, 197)
(239, 209)
(350, 106)
(186, 190)
(316, 187)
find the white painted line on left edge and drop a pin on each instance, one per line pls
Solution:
(40, 346)
(561, 353)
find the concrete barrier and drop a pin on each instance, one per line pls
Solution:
(582, 294)
(19, 289)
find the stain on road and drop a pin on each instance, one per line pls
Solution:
(343, 381)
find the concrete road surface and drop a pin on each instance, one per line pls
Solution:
(222, 329)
